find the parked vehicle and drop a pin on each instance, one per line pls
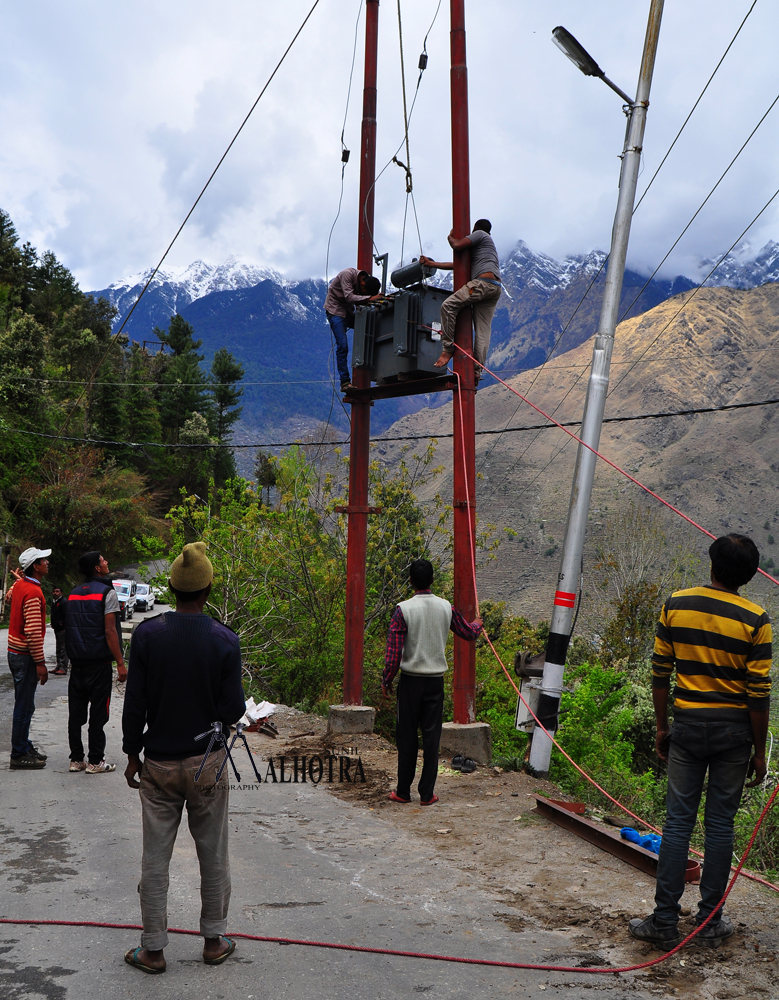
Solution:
(125, 591)
(144, 597)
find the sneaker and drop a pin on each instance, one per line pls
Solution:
(717, 930)
(647, 930)
(101, 768)
(38, 753)
(26, 762)
(78, 765)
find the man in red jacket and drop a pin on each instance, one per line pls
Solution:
(26, 631)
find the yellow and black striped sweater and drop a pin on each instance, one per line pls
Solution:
(720, 645)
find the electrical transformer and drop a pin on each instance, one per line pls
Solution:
(399, 338)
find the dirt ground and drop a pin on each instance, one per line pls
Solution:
(540, 875)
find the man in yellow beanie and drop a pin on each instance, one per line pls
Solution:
(184, 674)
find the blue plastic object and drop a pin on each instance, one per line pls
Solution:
(649, 841)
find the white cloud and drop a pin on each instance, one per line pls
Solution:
(113, 116)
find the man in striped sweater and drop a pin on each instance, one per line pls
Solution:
(720, 645)
(26, 631)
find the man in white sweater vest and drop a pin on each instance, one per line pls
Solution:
(416, 646)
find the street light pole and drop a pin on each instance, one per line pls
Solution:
(568, 580)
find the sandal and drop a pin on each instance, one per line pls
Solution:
(429, 802)
(131, 957)
(225, 954)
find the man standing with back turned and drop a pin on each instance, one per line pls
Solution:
(185, 674)
(93, 641)
(480, 294)
(416, 646)
(720, 645)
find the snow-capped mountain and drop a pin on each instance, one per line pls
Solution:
(278, 331)
(174, 288)
(743, 268)
(525, 267)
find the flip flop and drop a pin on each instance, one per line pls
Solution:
(225, 954)
(131, 957)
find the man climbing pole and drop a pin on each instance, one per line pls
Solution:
(347, 289)
(481, 293)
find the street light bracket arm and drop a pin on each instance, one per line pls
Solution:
(618, 90)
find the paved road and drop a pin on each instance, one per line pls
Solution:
(304, 863)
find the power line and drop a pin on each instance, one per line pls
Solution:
(403, 437)
(699, 209)
(695, 291)
(203, 190)
(689, 116)
(605, 260)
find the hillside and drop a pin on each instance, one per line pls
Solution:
(720, 468)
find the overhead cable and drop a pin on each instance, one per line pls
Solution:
(203, 190)
(698, 101)
(381, 439)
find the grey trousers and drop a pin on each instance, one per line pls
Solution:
(482, 297)
(166, 787)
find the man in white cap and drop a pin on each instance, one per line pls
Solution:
(185, 674)
(26, 661)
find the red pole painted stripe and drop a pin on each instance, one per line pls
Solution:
(564, 598)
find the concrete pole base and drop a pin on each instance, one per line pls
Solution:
(471, 740)
(350, 719)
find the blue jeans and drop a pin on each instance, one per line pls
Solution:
(724, 749)
(25, 681)
(338, 326)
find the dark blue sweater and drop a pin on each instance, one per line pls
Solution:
(184, 674)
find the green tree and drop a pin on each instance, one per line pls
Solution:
(22, 356)
(225, 373)
(75, 500)
(183, 388)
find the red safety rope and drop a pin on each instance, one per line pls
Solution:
(420, 954)
(747, 875)
(603, 458)
(484, 961)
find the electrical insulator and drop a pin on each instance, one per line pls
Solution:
(345, 156)
(423, 61)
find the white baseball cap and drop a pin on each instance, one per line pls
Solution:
(29, 556)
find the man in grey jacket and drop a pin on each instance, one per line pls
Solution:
(480, 294)
(416, 646)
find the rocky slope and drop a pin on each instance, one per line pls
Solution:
(720, 468)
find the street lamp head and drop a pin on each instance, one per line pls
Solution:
(578, 55)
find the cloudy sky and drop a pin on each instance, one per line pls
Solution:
(113, 114)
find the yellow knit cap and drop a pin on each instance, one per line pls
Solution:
(192, 570)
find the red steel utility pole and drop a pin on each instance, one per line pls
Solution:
(464, 409)
(361, 409)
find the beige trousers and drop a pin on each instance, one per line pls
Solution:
(166, 787)
(482, 296)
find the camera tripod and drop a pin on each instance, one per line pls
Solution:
(219, 738)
